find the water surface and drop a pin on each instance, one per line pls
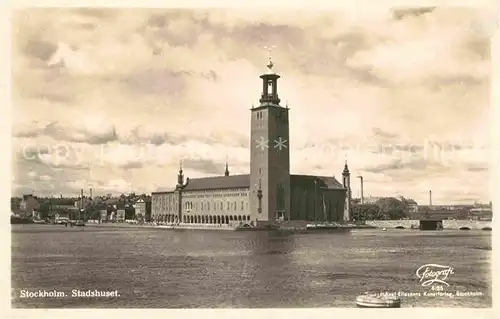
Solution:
(153, 268)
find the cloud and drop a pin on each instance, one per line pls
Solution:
(106, 95)
(204, 166)
(89, 132)
(409, 12)
(45, 178)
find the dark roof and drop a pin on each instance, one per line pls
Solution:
(328, 182)
(243, 181)
(159, 191)
(218, 182)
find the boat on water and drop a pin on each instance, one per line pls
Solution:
(39, 221)
(372, 300)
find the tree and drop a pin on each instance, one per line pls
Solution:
(391, 208)
(365, 212)
(109, 209)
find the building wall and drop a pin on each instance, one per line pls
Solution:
(215, 206)
(271, 163)
(306, 205)
(140, 209)
(120, 215)
(164, 206)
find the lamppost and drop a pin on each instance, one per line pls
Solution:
(259, 196)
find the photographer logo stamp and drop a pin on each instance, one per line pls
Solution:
(430, 274)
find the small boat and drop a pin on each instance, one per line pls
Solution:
(368, 300)
(384, 229)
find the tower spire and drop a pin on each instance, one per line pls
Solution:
(226, 173)
(270, 83)
(346, 168)
(180, 177)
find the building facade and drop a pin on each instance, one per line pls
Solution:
(266, 195)
(140, 209)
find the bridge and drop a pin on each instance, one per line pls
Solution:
(447, 224)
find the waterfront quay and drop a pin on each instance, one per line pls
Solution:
(283, 225)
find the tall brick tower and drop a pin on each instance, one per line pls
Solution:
(269, 154)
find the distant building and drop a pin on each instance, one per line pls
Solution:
(120, 215)
(442, 214)
(482, 213)
(28, 204)
(103, 214)
(60, 218)
(143, 209)
(412, 206)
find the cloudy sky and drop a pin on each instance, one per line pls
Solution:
(114, 99)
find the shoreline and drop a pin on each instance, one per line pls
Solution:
(225, 227)
(279, 227)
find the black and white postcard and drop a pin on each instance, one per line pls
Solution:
(252, 158)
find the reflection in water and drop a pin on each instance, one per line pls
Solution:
(204, 269)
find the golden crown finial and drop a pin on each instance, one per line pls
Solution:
(270, 64)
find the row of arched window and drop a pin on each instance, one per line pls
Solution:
(215, 206)
(204, 219)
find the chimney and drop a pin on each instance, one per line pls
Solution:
(91, 193)
(362, 190)
(430, 199)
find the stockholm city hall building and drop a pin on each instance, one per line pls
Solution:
(269, 193)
